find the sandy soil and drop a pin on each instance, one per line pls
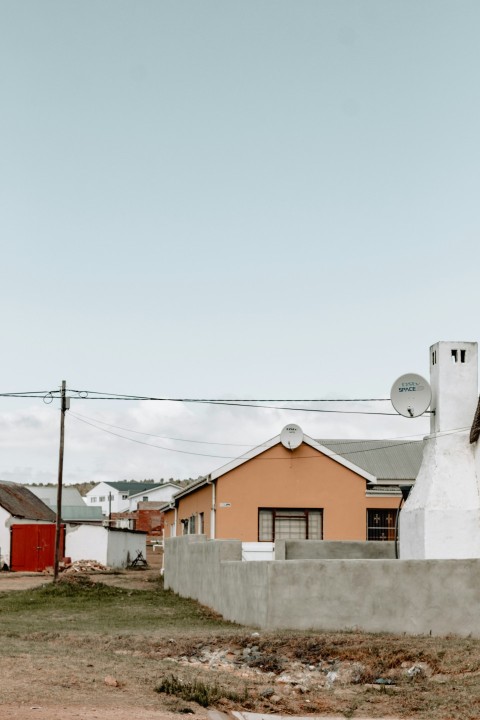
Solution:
(83, 712)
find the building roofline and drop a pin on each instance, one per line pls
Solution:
(259, 449)
(162, 485)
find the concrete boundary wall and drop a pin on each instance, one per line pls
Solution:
(333, 550)
(437, 597)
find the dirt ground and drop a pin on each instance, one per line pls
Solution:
(83, 712)
(112, 676)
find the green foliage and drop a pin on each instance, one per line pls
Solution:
(203, 693)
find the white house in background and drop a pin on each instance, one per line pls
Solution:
(74, 507)
(114, 497)
(161, 493)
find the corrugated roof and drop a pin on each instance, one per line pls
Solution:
(387, 460)
(77, 513)
(21, 503)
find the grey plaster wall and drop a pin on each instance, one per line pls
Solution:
(440, 597)
(333, 550)
(192, 566)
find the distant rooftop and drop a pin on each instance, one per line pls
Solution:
(133, 487)
(21, 503)
(48, 495)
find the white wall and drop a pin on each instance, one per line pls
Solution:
(123, 547)
(258, 551)
(112, 548)
(104, 490)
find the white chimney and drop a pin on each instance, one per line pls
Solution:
(441, 518)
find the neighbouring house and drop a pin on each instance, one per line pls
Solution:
(27, 529)
(323, 489)
(114, 497)
(154, 494)
(74, 508)
(145, 511)
(148, 517)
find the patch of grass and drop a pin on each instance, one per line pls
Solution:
(203, 693)
(78, 604)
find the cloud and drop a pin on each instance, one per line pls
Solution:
(106, 441)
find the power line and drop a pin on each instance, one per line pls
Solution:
(124, 396)
(208, 442)
(160, 447)
(50, 395)
(161, 437)
(231, 457)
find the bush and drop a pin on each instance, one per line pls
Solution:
(203, 693)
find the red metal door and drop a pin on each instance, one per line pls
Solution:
(33, 547)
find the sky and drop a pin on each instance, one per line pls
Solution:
(215, 199)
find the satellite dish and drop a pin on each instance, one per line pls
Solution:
(411, 395)
(291, 436)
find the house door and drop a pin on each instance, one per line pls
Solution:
(33, 547)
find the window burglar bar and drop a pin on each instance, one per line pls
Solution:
(381, 524)
(289, 524)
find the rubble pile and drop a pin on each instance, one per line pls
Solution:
(285, 674)
(84, 566)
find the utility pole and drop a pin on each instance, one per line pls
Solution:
(58, 531)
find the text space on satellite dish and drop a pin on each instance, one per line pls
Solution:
(411, 395)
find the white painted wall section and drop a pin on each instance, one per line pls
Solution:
(441, 518)
(258, 551)
(112, 548)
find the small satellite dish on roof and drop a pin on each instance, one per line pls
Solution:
(411, 395)
(291, 436)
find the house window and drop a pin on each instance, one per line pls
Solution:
(101, 499)
(290, 524)
(93, 499)
(201, 523)
(184, 527)
(124, 496)
(381, 524)
(191, 528)
(145, 498)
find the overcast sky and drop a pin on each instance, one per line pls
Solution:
(203, 199)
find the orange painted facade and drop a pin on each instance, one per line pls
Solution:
(279, 478)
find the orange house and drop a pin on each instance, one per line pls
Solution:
(329, 489)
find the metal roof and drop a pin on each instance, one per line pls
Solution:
(77, 513)
(387, 460)
(21, 503)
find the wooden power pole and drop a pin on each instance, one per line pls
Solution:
(58, 529)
